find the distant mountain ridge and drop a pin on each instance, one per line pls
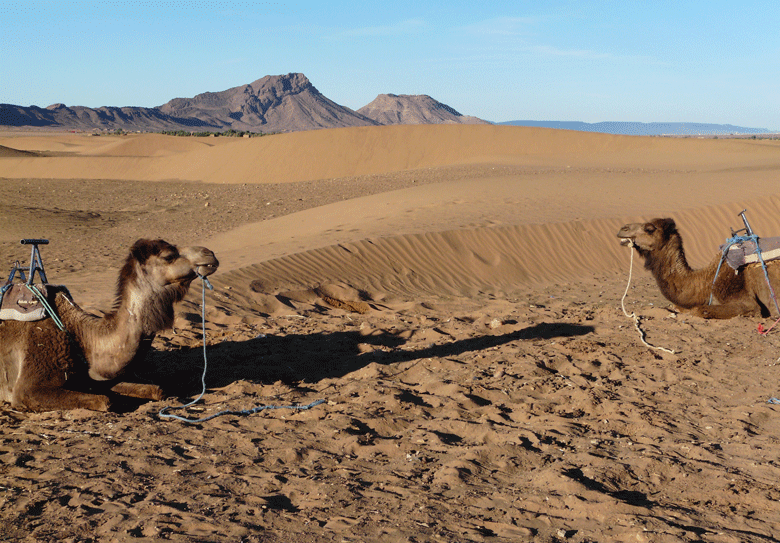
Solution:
(287, 103)
(645, 129)
(274, 103)
(85, 118)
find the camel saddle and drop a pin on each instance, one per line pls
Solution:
(19, 303)
(745, 252)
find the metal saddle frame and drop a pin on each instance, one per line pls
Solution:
(27, 302)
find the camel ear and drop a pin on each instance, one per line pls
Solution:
(668, 226)
(143, 249)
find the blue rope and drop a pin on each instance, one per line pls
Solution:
(53, 314)
(741, 239)
(3, 290)
(38, 294)
(729, 242)
(203, 382)
(239, 412)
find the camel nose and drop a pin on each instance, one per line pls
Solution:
(203, 260)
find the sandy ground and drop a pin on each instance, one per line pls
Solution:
(452, 293)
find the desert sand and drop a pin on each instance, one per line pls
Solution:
(452, 293)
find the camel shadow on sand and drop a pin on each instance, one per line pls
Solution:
(301, 359)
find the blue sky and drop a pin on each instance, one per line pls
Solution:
(678, 61)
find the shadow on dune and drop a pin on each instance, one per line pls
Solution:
(309, 358)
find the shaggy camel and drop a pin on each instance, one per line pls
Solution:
(43, 368)
(744, 292)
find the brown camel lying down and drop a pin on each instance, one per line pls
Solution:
(742, 293)
(43, 368)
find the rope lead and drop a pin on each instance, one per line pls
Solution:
(162, 414)
(634, 315)
(52, 313)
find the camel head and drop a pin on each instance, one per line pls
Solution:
(164, 264)
(649, 236)
(163, 271)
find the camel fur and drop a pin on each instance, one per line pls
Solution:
(737, 292)
(43, 368)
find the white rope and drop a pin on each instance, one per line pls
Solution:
(634, 316)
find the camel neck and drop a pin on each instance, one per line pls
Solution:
(109, 343)
(681, 284)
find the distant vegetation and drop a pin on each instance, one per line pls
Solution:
(227, 133)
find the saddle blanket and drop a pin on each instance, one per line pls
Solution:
(745, 252)
(18, 303)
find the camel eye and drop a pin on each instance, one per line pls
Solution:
(170, 257)
(649, 228)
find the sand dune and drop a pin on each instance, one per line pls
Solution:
(493, 260)
(571, 198)
(346, 152)
(482, 208)
(7, 152)
(151, 145)
(452, 292)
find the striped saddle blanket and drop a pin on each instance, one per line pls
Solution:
(744, 252)
(19, 303)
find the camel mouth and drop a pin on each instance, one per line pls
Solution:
(206, 269)
(626, 241)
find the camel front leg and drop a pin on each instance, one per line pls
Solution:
(138, 390)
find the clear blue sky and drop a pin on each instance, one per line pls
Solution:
(678, 61)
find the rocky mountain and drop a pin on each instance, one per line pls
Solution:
(413, 109)
(278, 103)
(281, 103)
(63, 117)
